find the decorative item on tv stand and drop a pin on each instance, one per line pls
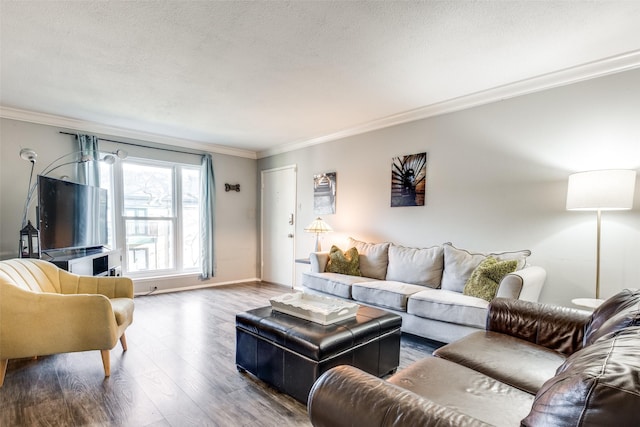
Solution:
(29, 235)
(318, 226)
(600, 190)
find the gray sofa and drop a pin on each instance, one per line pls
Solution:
(423, 285)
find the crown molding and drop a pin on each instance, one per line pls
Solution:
(567, 76)
(92, 127)
(590, 70)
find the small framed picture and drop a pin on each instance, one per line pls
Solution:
(408, 180)
(324, 193)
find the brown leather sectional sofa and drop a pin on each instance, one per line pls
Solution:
(535, 365)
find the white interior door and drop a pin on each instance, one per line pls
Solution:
(278, 225)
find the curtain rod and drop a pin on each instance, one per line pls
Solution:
(140, 145)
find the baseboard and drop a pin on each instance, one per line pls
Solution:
(192, 287)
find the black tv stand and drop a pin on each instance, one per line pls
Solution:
(97, 261)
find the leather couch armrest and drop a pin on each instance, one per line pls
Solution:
(557, 328)
(318, 261)
(525, 284)
(347, 396)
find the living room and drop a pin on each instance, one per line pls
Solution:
(497, 175)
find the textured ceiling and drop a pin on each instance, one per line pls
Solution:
(259, 75)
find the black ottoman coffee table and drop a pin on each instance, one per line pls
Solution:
(290, 353)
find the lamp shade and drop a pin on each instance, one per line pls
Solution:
(318, 226)
(603, 190)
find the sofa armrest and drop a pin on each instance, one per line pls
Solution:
(347, 396)
(525, 284)
(109, 286)
(318, 261)
(557, 328)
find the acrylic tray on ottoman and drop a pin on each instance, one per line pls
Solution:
(315, 308)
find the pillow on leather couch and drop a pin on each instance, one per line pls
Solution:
(615, 324)
(615, 313)
(596, 386)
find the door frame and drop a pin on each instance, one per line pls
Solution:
(294, 168)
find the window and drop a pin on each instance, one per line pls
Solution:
(158, 228)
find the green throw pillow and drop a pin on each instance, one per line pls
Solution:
(485, 279)
(344, 262)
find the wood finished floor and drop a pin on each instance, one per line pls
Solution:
(179, 371)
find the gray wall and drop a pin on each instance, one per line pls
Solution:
(236, 230)
(496, 180)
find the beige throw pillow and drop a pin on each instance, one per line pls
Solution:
(417, 266)
(373, 258)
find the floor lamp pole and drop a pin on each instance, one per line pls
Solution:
(598, 256)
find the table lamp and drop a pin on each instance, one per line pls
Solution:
(318, 226)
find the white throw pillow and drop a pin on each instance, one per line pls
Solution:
(417, 266)
(460, 263)
(373, 258)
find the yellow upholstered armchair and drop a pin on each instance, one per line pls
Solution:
(46, 310)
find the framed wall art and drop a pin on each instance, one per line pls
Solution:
(408, 180)
(324, 193)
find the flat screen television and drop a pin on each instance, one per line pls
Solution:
(71, 215)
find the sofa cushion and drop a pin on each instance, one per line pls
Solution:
(513, 361)
(341, 262)
(467, 391)
(460, 263)
(416, 266)
(332, 283)
(485, 279)
(393, 295)
(615, 313)
(596, 386)
(448, 306)
(373, 258)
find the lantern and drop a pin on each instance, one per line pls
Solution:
(29, 242)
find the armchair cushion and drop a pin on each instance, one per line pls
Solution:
(123, 310)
